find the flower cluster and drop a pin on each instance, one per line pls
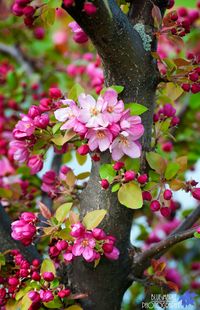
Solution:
(24, 229)
(27, 129)
(79, 35)
(167, 111)
(104, 123)
(88, 244)
(88, 7)
(89, 68)
(40, 291)
(22, 8)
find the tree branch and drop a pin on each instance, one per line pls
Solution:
(143, 261)
(190, 220)
(15, 52)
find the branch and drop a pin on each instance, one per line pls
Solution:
(16, 53)
(143, 261)
(190, 220)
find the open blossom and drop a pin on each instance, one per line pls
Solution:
(5, 167)
(85, 246)
(104, 122)
(35, 164)
(125, 144)
(92, 111)
(99, 138)
(24, 128)
(19, 150)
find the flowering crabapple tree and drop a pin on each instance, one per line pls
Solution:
(114, 83)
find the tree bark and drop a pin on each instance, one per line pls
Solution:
(125, 63)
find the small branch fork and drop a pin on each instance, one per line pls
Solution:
(143, 260)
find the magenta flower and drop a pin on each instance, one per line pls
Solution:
(113, 108)
(28, 217)
(85, 246)
(24, 128)
(132, 125)
(19, 151)
(23, 231)
(5, 167)
(79, 35)
(125, 144)
(113, 255)
(99, 138)
(35, 164)
(91, 111)
(77, 230)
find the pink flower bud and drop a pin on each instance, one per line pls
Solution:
(195, 88)
(62, 245)
(183, 12)
(55, 93)
(28, 217)
(34, 111)
(29, 10)
(155, 205)
(48, 276)
(39, 33)
(45, 104)
(13, 281)
(165, 211)
(41, 121)
(36, 262)
(175, 121)
(167, 194)
(64, 293)
(142, 179)
(167, 147)
(108, 247)
(170, 4)
(24, 273)
(193, 76)
(34, 296)
(53, 251)
(118, 165)
(114, 255)
(104, 184)
(89, 8)
(146, 196)
(35, 164)
(98, 234)
(23, 231)
(186, 87)
(83, 149)
(77, 230)
(129, 175)
(196, 193)
(17, 10)
(35, 276)
(46, 296)
(68, 3)
(169, 110)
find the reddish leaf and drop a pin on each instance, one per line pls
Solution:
(157, 17)
(45, 211)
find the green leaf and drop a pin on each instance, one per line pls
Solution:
(47, 16)
(83, 175)
(130, 195)
(61, 140)
(5, 193)
(22, 292)
(115, 187)
(132, 164)
(48, 265)
(136, 108)
(81, 159)
(56, 127)
(25, 303)
(117, 88)
(12, 80)
(171, 171)
(74, 307)
(62, 211)
(156, 162)
(75, 91)
(54, 304)
(94, 218)
(106, 171)
(197, 235)
(54, 3)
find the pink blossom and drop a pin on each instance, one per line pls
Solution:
(19, 150)
(98, 234)
(113, 107)
(70, 115)
(35, 164)
(132, 125)
(5, 167)
(99, 138)
(125, 144)
(24, 128)
(79, 35)
(28, 217)
(114, 255)
(85, 246)
(23, 231)
(91, 112)
(77, 230)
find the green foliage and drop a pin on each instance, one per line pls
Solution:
(106, 171)
(94, 218)
(130, 195)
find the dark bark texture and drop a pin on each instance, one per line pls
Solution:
(125, 63)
